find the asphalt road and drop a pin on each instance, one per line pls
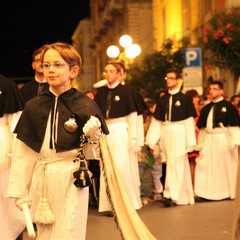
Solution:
(201, 221)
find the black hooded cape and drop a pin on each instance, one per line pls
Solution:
(182, 107)
(72, 103)
(10, 98)
(30, 89)
(224, 113)
(123, 102)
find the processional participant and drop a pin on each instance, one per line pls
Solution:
(219, 135)
(173, 124)
(11, 105)
(49, 156)
(117, 103)
(48, 151)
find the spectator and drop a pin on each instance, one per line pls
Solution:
(194, 96)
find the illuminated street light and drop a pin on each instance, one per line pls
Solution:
(133, 51)
(125, 41)
(130, 50)
(113, 51)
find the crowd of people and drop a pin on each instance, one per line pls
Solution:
(177, 149)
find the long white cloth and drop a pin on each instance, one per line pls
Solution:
(216, 168)
(130, 224)
(69, 204)
(11, 218)
(120, 149)
(176, 138)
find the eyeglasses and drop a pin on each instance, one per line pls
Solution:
(170, 78)
(110, 71)
(47, 66)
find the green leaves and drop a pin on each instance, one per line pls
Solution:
(148, 78)
(221, 40)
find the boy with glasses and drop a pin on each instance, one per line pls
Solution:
(49, 147)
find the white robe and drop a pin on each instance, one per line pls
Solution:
(69, 204)
(176, 138)
(11, 218)
(120, 149)
(216, 168)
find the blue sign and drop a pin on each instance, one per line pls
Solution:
(192, 57)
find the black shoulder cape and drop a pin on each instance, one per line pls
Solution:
(139, 101)
(122, 104)
(10, 98)
(30, 89)
(72, 103)
(224, 113)
(182, 107)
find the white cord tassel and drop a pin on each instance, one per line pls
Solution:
(43, 212)
(28, 220)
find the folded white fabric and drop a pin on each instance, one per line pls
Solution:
(92, 128)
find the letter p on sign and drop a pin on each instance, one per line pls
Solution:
(192, 57)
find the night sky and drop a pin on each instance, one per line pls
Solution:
(28, 24)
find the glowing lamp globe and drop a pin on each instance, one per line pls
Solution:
(125, 41)
(133, 51)
(113, 51)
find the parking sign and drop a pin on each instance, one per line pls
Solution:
(192, 57)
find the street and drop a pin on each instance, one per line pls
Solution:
(201, 221)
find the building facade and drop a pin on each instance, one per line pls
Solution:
(149, 23)
(110, 19)
(176, 19)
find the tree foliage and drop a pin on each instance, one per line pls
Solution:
(221, 40)
(148, 77)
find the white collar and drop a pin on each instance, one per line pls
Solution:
(39, 81)
(115, 84)
(218, 100)
(174, 91)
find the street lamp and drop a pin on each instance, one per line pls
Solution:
(113, 51)
(130, 50)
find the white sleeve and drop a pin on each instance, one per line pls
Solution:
(153, 133)
(140, 131)
(22, 166)
(201, 136)
(132, 129)
(234, 134)
(190, 132)
(13, 120)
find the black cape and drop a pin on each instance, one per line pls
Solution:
(10, 98)
(224, 113)
(30, 89)
(182, 107)
(122, 103)
(139, 101)
(72, 103)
